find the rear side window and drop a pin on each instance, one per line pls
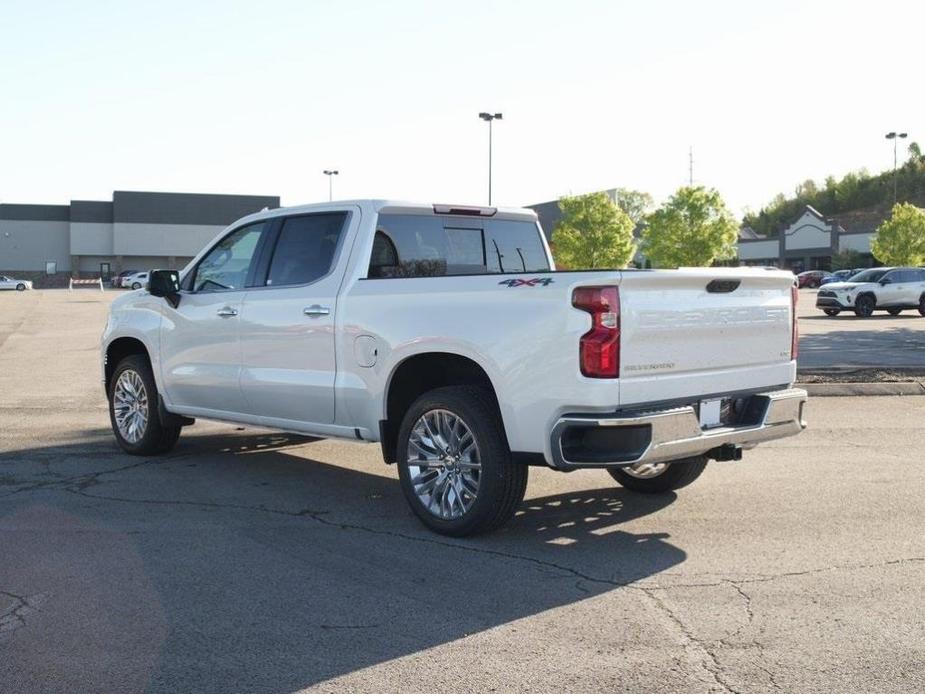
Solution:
(305, 249)
(432, 246)
(227, 264)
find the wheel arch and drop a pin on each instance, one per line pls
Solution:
(418, 374)
(119, 349)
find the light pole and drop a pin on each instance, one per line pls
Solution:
(489, 117)
(895, 137)
(331, 173)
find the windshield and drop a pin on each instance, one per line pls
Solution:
(869, 275)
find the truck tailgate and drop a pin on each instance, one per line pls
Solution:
(703, 331)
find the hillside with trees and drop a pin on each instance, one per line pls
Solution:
(857, 190)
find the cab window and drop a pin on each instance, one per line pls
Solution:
(305, 249)
(228, 264)
(434, 246)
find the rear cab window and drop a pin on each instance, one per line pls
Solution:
(408, 245)
(305, 248)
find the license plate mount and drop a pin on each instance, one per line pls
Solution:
(711, 413)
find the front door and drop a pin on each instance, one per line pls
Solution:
(893, 293)
(288, 324)
(200, 347)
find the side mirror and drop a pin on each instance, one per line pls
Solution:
(885, 281)
(165, 283)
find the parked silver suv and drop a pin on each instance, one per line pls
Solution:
(890, 289)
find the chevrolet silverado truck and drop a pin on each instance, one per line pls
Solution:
(446, 334)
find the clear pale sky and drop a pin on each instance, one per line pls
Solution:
(259, 97)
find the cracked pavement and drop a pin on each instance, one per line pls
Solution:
(251, 561)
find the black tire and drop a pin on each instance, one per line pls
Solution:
(894, 311)
(831, 311)
(922, 305)
(20, 287)
(136, 285)
(156, 437)
(679, 473)
(501, 482)
(864, 306)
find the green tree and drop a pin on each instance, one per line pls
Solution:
(847, 259)
(915, 152)
(635, 203)
(593, 233)
(900, 240)
(693, 228)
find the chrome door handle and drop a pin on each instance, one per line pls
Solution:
(316, 310)
(227, 312)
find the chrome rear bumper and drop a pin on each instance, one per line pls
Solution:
(672, 434)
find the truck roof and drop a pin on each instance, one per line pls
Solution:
(400, 207)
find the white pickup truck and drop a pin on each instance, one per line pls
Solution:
(446, 334)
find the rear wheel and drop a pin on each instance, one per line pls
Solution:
(894, 311)
(831, 311)
(20, 287)
(657, 478)
(454, 463)
(922, 305)
(136, 285)
(864, 306)
(133, 410)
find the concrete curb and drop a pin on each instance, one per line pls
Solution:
(848, 389)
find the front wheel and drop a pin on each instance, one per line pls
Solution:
(454, 463)
(864, 306)
(831, 311)
(658, 478)
(136, 285)
(133, 409)
(922, 305)
(20, 287)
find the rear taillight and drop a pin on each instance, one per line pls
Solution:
(795, 334)
(599, 350)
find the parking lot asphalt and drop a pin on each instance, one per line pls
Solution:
(257, 562)
(848, 342)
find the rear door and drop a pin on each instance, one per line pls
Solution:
(699, 331)
(288, 321)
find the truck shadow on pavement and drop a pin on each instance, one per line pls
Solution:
(881, 346)
(241, 563)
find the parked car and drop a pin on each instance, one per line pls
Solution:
(446, 335)
(840, 276)
(118, 280)
(890, 289)
(136, 280)
(7, 282)
(811, 278)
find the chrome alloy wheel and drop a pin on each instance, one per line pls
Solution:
(645, 471)
(444, 464)
(130, 406)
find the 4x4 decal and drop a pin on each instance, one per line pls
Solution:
(545, 281)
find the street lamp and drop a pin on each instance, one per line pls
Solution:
(895, 137)
(331, 173)
(489, 117)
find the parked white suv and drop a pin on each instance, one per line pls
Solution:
(445, 334)
(890, 289)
